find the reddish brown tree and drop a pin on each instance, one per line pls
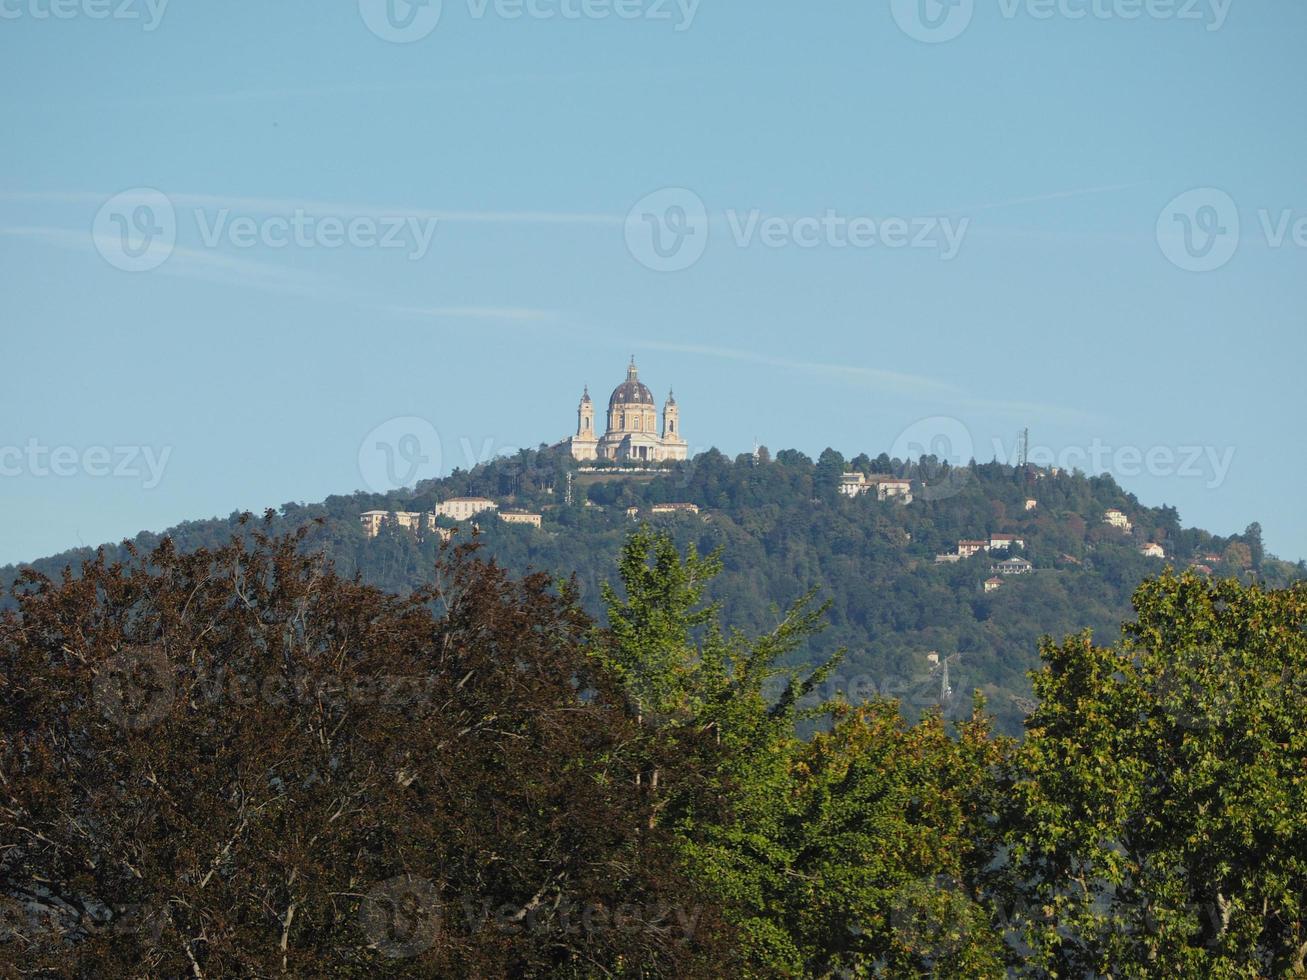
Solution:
(235, 763)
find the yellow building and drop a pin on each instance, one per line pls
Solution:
(373, 520)
(519, 517)
(464, 508)
(632, 432)
(657, 509)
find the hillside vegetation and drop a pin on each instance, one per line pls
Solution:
(783, 529)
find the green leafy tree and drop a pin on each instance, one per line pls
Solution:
(814, 848)
(1160, 795)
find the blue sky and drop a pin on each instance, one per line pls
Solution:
(1085, 292)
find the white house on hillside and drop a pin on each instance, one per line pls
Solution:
(1117, 519)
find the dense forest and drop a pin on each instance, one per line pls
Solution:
(783, 528)
(234, 762)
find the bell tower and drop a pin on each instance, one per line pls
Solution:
(585, 416)
(671, 417)
(674, 447)
(585, 442)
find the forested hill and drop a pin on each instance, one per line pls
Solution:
(784, 528)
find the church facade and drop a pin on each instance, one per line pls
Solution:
(632, 432)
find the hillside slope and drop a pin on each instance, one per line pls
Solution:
(784, 528)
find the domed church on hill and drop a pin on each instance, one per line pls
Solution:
(632, 433)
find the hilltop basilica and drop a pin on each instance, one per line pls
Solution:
(632, 433)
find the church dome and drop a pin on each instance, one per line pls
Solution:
(632, 391)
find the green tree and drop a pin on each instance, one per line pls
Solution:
(1160, 797)
(814, 849)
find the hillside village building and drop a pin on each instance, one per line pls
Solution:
(1118, 520)
(657, 509)
(520, 517)
(855, 484)
(632, 432)
(372, 522)
(457, 509)
(464, 508)
(1013, 566)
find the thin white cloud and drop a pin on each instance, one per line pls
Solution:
(1042, 198)
(892, 380)
(337, 209)
(509, 313)
(337, 90)
(191, 263)
(911, 385)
